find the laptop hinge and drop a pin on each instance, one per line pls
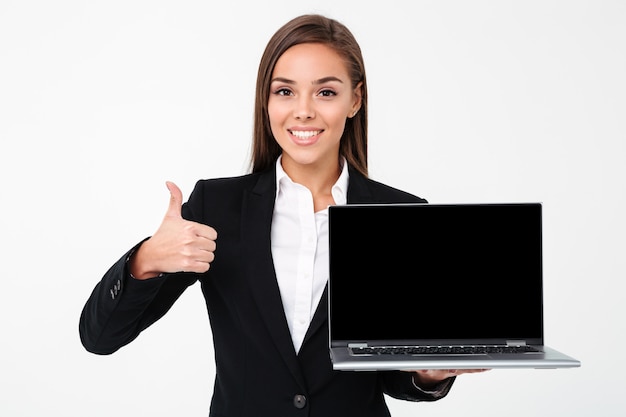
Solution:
(357, 345)
(516, 343)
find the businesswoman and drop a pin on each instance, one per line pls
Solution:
(258, 244)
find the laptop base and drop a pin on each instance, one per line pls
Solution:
(343, 360)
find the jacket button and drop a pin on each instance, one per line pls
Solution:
(299, 401)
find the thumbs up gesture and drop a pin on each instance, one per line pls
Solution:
(178, 244)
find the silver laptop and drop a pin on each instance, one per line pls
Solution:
(437, 286)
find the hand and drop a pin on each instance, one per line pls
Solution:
(178, 245)
(426, 378)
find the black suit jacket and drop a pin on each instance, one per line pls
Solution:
(257, 370)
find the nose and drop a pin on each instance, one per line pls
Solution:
(304, 109)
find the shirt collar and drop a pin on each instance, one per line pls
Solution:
(339, 190)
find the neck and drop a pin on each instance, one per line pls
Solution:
(318, 178)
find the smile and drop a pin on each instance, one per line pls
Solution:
(305, 134)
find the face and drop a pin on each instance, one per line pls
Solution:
(311, 97)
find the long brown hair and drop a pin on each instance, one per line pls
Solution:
(310, 28)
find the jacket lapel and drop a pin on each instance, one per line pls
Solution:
(257, 214)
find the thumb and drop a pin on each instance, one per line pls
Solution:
(176, 200)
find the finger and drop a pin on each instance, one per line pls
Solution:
(199, 230)
(472, 371)
(207, 232)
(466, 371)
(176, 200)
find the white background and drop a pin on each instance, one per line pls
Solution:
(101, 102)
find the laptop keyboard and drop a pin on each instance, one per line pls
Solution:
(441, 350)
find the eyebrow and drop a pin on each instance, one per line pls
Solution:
(314, 82)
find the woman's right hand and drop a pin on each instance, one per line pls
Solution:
(178, 245)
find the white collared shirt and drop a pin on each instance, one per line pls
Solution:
(299, 241)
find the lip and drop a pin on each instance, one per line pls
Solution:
(304, 136)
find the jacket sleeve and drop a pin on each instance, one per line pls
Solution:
(400, 385)
(120, 306)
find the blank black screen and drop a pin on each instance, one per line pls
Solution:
(429, 271)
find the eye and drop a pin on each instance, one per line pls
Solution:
(283, 92)
(327, 93)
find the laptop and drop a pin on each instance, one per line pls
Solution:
(437, 286)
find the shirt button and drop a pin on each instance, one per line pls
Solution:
(299, 401)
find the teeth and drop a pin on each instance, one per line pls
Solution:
(305, 134)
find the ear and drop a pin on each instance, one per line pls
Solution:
(358, 95)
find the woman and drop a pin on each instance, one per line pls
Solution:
(264, 278)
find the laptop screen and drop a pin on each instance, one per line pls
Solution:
(436, 271)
